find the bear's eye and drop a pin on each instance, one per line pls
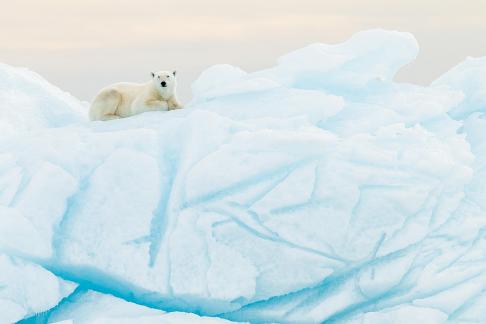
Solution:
(168, 76)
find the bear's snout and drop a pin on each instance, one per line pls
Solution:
(164, 84)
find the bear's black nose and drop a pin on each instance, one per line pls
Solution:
(164, 84)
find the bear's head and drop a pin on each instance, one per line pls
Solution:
(164, 81)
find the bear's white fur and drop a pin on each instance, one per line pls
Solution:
(127, 99)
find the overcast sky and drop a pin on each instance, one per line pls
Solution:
(83, 45)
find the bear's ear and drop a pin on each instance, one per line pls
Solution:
(174, 73)
(153, 74)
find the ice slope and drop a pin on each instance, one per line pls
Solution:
(316, 190)
(27, 288)
(467, 77)
(28, 102)
(86, 306)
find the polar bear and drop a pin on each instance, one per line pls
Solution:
(127, 99)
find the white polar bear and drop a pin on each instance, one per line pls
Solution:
(127, 99)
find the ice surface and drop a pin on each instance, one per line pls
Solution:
(367, 57)
(26, 288)
(467, 77)
(86, 306)
(28, 102)
(316, 190)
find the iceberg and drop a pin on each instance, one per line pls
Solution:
(319, 190)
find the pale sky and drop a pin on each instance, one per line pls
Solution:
(83, 45)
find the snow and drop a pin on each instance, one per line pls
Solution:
(316, 190)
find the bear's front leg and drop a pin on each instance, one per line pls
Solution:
(157, 105)
(174, 104)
